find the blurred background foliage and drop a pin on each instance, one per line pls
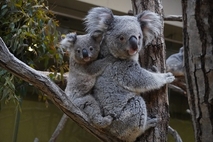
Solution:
(29, 30)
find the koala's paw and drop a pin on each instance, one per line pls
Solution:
(104, 122)
(169, 77)
(151, 122)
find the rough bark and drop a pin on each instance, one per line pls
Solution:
(9, 62)
(154, 54)
(198, 56)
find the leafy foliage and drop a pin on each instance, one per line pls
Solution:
(30, 31)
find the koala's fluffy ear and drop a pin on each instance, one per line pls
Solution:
(98, 19)
(150, 24)
(181, 50)
(97, 36)
(68, 41)
(72, 37)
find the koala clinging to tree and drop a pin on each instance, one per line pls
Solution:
(83, 70)
(118, 88)
(174, 63)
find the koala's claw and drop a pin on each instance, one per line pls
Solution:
(169, 77)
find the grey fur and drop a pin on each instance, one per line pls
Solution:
(174, 63)
(118, 88)
(83, 72)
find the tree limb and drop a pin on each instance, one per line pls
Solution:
(58, 78)
(9, 62)
(175, 134)
(177, 89)
(166, 18)
(180, 82)
(47, 73)
(59, 128)
(173, 18)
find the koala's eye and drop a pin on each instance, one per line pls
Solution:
(121, 38)
(90, 48)
(78, 50)
(139, 36)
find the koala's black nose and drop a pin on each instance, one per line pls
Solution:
(133, 43)
(85, 53)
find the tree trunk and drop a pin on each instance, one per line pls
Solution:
(198, 56)
(154, 54)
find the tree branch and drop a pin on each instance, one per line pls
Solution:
(173, 18)
(180, 83)
(47, 73)
(58, 78)
(166, 18)
(9, 62)
(59, 128)
(175, 134)
(177, 89)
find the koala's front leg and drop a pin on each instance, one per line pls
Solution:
(137, 79)
(95, 68)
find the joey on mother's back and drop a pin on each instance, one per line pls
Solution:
(118, 88)
(83, 70)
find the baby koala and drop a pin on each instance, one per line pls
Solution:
(83, 70)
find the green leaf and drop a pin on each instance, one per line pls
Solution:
(12, 26)
(4, 6)
(2, 72)
(3, 12)
(24, 23)
(18, 5)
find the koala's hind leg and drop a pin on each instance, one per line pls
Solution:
(90, 106)
(132, 121)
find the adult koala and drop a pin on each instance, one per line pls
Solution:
(118, 88)
(174, 63)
